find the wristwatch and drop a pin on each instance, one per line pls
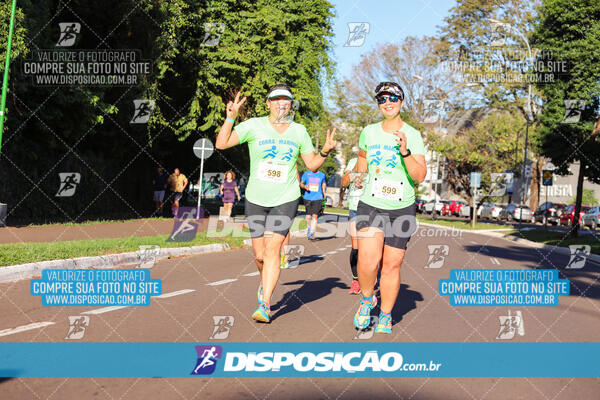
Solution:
(408, 153)
(324, 155)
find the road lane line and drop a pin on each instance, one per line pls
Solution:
(224, 281)
(331, 252)
(24, 328)
(176, 293)
(252, 273)
(343, 248)
(104, 310)
(495, 260)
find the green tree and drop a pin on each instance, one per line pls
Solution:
(570, 30)
(473, 150)
(587, 198)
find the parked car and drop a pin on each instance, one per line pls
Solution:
(486, 211)
(490, 211)
(420, 203)
(445, 209)
(592, 218)
(507, 212)
(513, 212)
(548, 212)
(454, 207)
(566, 218)
(428, 207)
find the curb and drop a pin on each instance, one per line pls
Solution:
(23, 271)
(515, 239)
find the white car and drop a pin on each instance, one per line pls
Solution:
(527, 214)
(428, 207)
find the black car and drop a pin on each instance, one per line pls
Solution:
(548, 212)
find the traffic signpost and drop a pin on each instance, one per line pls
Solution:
(475, 184)
(203, 149)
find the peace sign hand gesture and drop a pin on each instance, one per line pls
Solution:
(330, 143)
(233, 107)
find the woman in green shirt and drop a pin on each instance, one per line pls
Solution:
(273, 192)
(392, 152)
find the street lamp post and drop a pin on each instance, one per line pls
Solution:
(528, 113)
(6, 66)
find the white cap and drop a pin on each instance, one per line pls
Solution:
(280, 92)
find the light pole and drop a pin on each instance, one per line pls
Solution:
(528, 113)
(443, 95)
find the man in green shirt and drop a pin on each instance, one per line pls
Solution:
(272, 193)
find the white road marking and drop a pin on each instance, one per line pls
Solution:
(252, 273)
(176, 293)
(224, 281)
(495, 260)
(24, 328)
(104, 310)
(331, 252)
(474, 242)
(343, 248)
(348, 246)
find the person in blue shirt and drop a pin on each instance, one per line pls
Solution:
(314, 185)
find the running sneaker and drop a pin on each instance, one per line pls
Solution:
(362, 319)
(355, 287)
(385, 323)
(284, 264)
(262, 313)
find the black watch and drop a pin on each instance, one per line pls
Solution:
(324, 155)
(407, 154)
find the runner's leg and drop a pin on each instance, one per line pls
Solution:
(271, 266)
(370, 249)
(389, 283)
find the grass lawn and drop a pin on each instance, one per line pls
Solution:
(21, 253)
(100, 221)
(557, 238)
(461, 224)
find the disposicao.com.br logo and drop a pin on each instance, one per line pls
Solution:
(324, 363)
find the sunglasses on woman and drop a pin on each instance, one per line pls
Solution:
(383, 99)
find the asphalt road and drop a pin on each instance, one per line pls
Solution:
(311, 304)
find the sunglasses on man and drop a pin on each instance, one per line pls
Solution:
(383, 99)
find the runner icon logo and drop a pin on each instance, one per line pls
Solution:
(357, 33)
(367, 333)
(579, 255)
(498, 34)
(294, 254)
(142, 110)
(184, 227)
(68, 183)
(148, 254)
(212, 33)
(437, 255)
(433, 111)
(573, 110)
(509, 325)
(223, 324)
(77, 326)
(68, 33)
(207, 359)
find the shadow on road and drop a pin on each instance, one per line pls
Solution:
(309, 291)
(405, 303)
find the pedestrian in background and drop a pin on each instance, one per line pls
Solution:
(229, 191)
(177, 183)
(160, 184)
(314, 184)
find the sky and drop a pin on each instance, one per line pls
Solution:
(388, 21)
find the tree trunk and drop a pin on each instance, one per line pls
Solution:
(534, 199)
(575, 230)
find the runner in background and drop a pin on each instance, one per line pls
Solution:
(272, 194)
(392, 152)
(314, 184)
(229, 190)
(353, 196)
(177, 183)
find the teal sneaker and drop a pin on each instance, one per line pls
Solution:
(362, 319)
(385, 323)
(262, 313)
